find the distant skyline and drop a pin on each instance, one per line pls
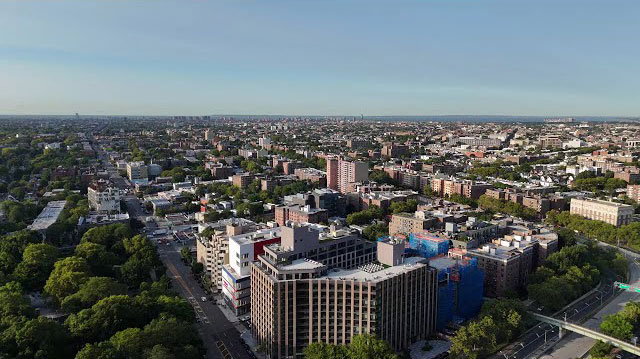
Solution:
(321, 57)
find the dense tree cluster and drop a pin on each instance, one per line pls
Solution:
(94, 286)
(12, 248)
(587, 181)
(500, 320)
(380, 176)
(363, 346)
(627, 235)
(601, 350)
(374, 231)
(462, 200)
(571, 272)
(408, 206)
(497, 169)
(18, 215)
(365, 216)
(624, 324)
(508, 207)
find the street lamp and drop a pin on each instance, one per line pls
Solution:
(601, 295)
(545, 333)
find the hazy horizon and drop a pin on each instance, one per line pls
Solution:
(544, 58)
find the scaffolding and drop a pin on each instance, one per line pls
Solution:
(470, 288)
(427, 245)
(460, 290)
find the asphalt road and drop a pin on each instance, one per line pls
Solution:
(543, 333)
(589, 312)
(220, 337)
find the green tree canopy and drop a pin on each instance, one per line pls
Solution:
(42, 338)
(67, 276)
(91, 291)
(37, 263)
(105, 318)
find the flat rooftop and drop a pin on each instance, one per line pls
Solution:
(301, 264)
(495, 251)
(441, 263)
(605, 203)
(360, 275)
(257, 236)
(48, 216)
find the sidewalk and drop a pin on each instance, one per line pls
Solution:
(553, 340)
(248, 338)
(229, 314)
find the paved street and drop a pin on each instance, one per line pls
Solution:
(221, 337)
(576, 345)
(543, 339)
(543, 334)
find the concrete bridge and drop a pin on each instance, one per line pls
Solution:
(624, 345)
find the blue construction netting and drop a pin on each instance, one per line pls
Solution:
(470, 289)
(445, 299)
(427, 246)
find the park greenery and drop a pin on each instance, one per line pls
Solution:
(362, 346)
(105, 287)
(626, 235)
(499, 321)
(573, 271)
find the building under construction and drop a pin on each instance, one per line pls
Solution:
(460, 288)
(427, 245)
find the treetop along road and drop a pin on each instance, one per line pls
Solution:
(220, 336)
(542, 334)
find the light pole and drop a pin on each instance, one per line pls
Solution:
(601, 295)
(545, 334)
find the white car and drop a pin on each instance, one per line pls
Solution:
(204, 299)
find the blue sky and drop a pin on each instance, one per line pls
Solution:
(324, 57)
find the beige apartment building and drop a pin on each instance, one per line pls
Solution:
(406, 223)
(633, 192)
(137, 171)
(617, 214)
(299, 301)
(213, 251)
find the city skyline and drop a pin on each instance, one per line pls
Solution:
(543, 58)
